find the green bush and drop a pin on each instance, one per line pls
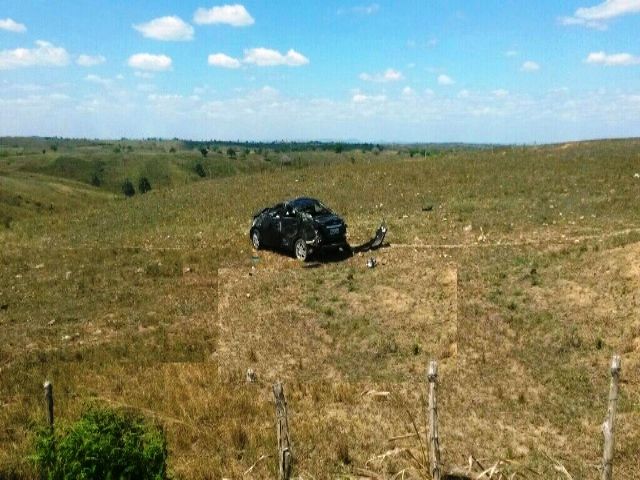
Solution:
(103, 444)
(144, 185)
(128, 189)
(200, 170)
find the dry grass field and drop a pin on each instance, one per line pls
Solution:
(517, 268)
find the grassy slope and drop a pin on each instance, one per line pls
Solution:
(546, 289)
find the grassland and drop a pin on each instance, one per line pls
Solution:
(518, 268)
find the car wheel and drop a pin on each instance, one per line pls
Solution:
(255, 239)
(301, 249)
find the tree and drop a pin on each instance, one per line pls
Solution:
(128, 188)
(204, 152)
(95, 180)
(144, 185)
(200, 170)
(231, 152)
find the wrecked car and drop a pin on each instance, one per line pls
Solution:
(303, 226)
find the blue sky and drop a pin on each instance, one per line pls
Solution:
(424, 70)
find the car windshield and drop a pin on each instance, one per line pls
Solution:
(310, 206)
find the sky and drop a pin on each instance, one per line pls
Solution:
(479, 71)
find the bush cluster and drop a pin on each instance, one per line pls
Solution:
(103, 444)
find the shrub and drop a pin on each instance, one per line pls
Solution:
(172, 150)
(231, 153)
(128, 189)
(144, 185)
(105, 444)
(204, 152)
(95, 180)
(200, 170)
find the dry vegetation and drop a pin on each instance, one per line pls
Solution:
(522, 279)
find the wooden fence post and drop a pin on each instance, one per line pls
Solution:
(608, 427)
(48, 396)
(434, 445)
(285, 459)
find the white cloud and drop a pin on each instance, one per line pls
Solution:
(360, 10)
(170, 28)
(613, 60)
(145, 75)
(362, 98)
(222, 60)
(234, 15)
(389, 75)
(464, 94)
(530, 66)
(445, 80)
(90, 60)
(266, 57)
(500, 93)
(511, 53)
(408, 91)
(45, 54)
(432, 42)
(11, 25)
(598, 15)
(105, 82)
(148, 61)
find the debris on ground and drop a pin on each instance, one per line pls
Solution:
(251, 375)
(371, 263)
(427, 208)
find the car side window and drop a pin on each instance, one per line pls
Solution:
(278, 210)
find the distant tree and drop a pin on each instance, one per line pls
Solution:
(117, 149)
(44, 151)
(338, 148)
(128, 188)
(95, 180)
(172, 150)
(231, 153)
(200, 170)
(129, 148)
(204, 152)
(54, 147)
(144, 185)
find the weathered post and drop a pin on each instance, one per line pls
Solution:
(608, 427)
(48, 397)
(434, 445)
(285, 459)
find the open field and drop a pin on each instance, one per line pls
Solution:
(522, 279)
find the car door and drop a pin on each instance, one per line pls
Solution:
(289, 227)
(272, 229)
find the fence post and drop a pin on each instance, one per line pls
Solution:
(282, 427)
(48, 396)
(434, 445)
(608, 427)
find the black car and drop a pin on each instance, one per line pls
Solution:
(302, 225)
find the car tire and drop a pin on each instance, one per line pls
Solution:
(301, 250)
(256, 241)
